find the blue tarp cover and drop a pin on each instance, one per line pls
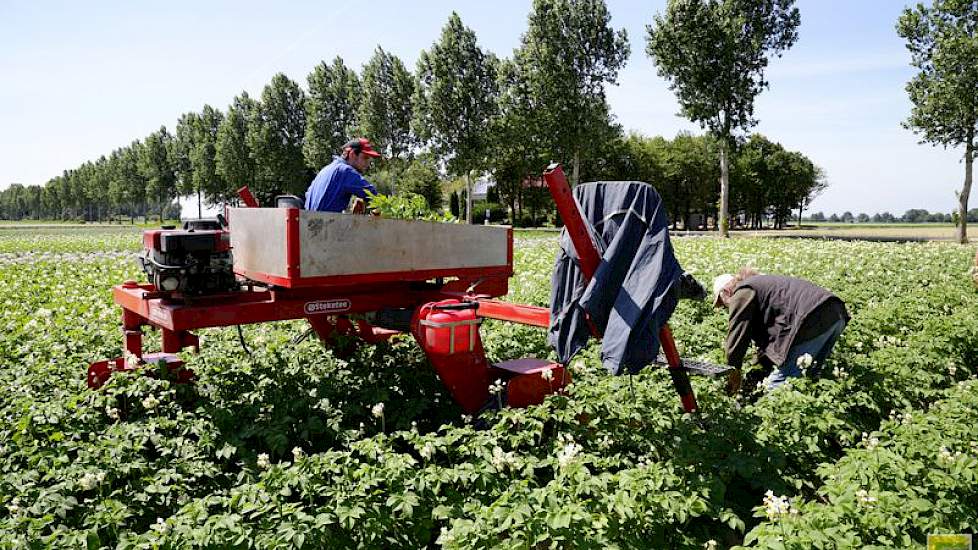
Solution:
(631, 296)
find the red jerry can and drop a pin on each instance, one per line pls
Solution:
(448, 332)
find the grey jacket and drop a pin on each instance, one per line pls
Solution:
(775, 311)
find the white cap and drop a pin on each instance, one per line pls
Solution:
(718, 283)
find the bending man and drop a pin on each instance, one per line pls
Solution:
(333, 186)
(793, 322)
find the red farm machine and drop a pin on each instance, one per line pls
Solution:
(353, 275)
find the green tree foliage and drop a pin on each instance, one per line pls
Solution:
(421, 177)
(127, 186)
(13, 201)
(690, 176)
(156, 168)
(98, 184)
(207, 182)
(682, 171)
(455, 101)
(567, 56)
(331, 111)
(184, 145)
(943, 42)
(115, 190)
(771, 181)
(750, 171)
(385, 104)
(194, 155)
(275, 136)
(714, 53)
(492, 195)
(915, 215)
(453, 206)
(801, 181)
(518, 148)
(233, 161)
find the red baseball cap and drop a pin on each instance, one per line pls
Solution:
(361, 146)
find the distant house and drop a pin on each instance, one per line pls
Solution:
(480, 188)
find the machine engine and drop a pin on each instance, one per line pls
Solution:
(193, 261)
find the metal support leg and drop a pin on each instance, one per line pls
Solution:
(132, 334)
(680, 378)
(176, 341)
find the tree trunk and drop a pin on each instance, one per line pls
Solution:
(724, 189)
(468, 197)
(512, 210)
(199, 215)
(801, 208)
(969, 160)
(576, 169)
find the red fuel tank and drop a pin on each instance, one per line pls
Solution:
(448, 332)
(450, 327)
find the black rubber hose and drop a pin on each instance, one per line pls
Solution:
(241, 339)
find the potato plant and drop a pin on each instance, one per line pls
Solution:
(292, 446)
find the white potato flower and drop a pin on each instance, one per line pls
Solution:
(88, 481)
(805, 361)
(263, 461)
(501, 459)
(777, 506)
(161, 526)
(568, 453)
(150, 402)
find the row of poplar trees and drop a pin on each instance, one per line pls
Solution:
(464, 111)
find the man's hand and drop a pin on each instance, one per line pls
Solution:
(734, 379)
(359, 206)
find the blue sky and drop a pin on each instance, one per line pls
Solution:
(82, 78)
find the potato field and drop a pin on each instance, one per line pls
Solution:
(286, 445)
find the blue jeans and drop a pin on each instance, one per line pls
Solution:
(818, 347)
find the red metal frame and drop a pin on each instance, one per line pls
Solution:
(292, 254)
(471, 274)
(247, 198)
(143, 306)
(570, 213)
(535, 316)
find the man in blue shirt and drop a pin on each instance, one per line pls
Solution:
(333, 186)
